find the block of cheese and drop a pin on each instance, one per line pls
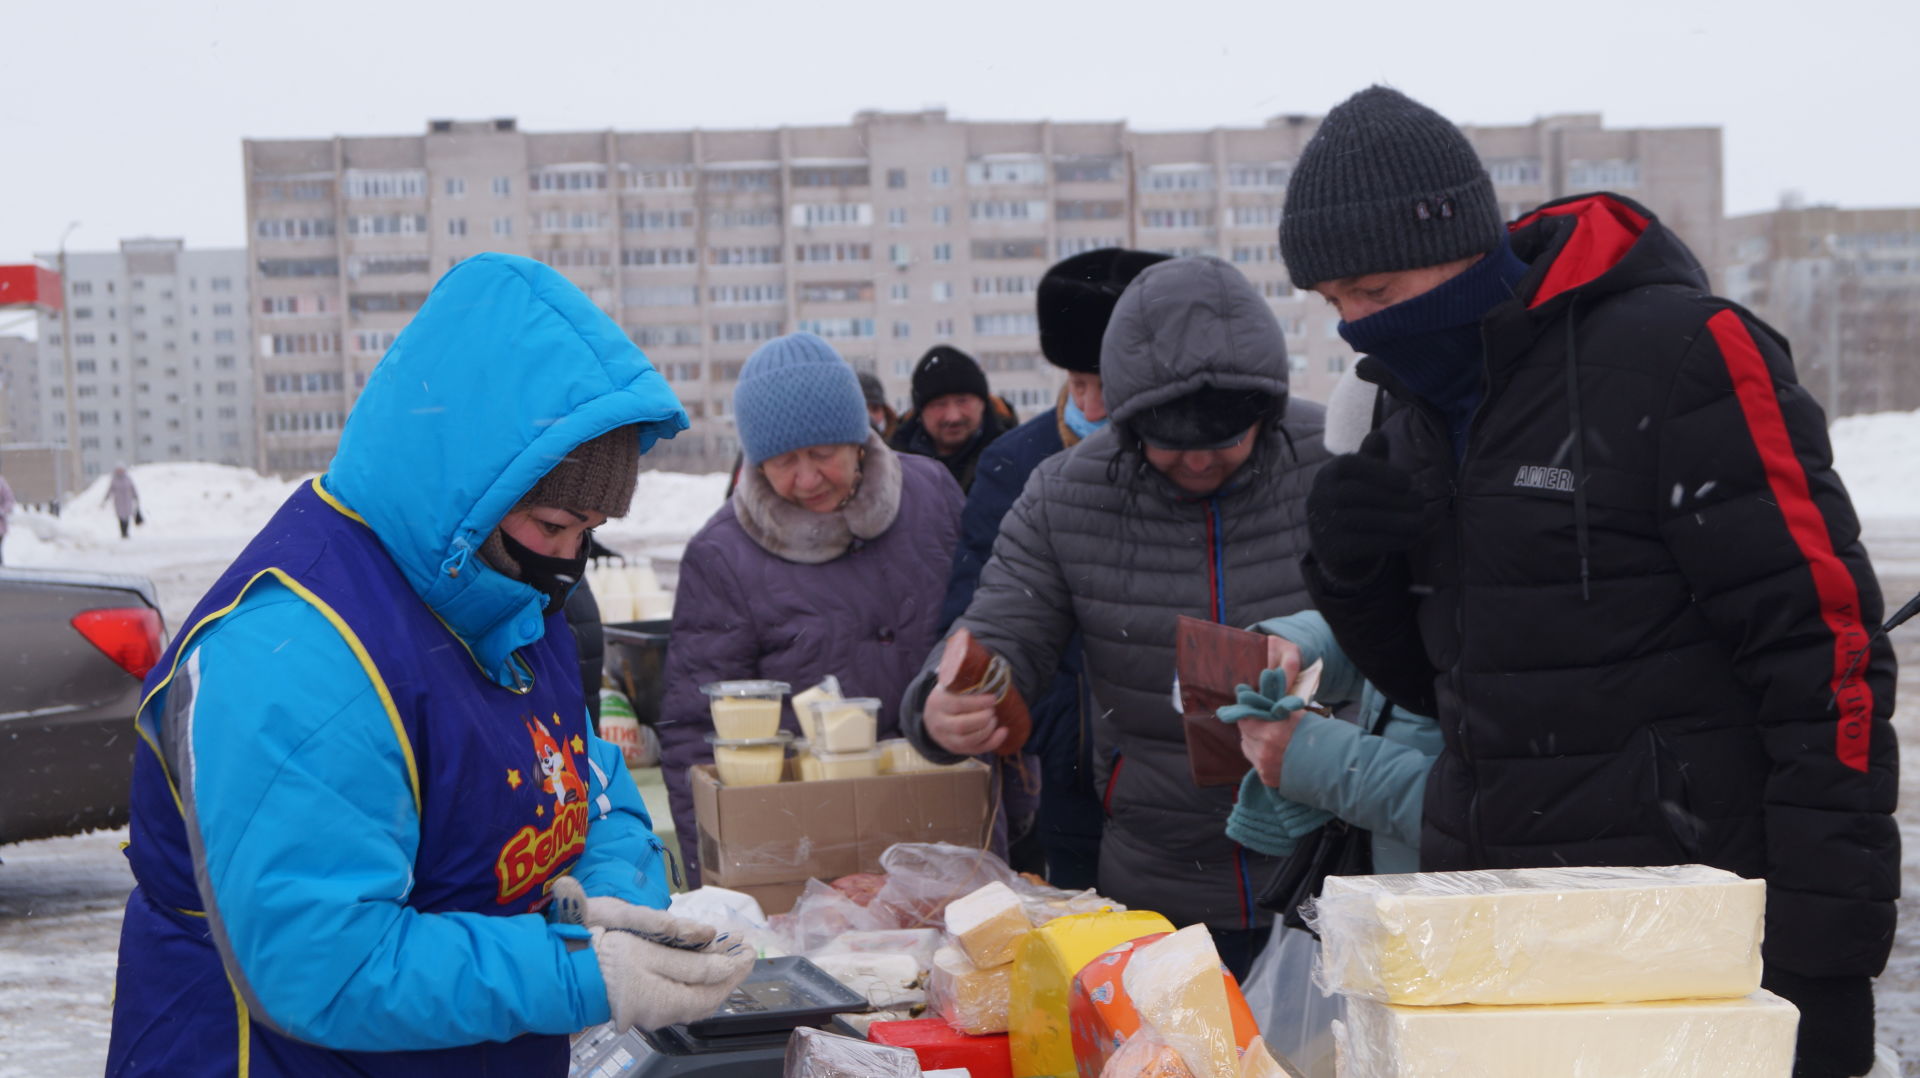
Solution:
(1539, 935)
(940, 1046)
(988, 924)
(1750, 1037)
(971, 999)
(1102, 1016)
(1176, 986)
(1257, 1062)
(1039, 1038)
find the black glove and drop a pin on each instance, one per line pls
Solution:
(1836, 1022)
(1361, 510)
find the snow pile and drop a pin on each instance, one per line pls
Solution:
(1878, 456)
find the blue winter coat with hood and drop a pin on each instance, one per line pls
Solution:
(366, 757)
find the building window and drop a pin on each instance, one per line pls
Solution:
(656, 220)
(1267, 177)
(1006, 171)
(456, 187)
(939, 176)
(1176, 218)
(502, 186)
(897, 217)
(560, 179)
(398, 183)
(572, 221)
(943, 215)
(902, 330)
(1007, 210)
(386, 224)
(767, 255)
(830, 177)
(1005, 286)
(838, 328)
(816, 214)
(724, 332)
(1181, 177)
(659, 177)
(1256, 253)
(1089, 210)
(740, 295)
(942, 291)
(456, 226)
(837, 292)
(662, 336)
(1087, 170)
(293, 228)
(503, 226)
(575, 257)
(943, 252)
(742, 179)
(899, 292)
(388, 265)
(1514, 171)
(1584, 175)
(81, 288)
(899, 253)
(222, 310)
(665, 295)
(760, 218)
(943, 327)
(1009, 249)
(223, 336)
(896, 178)
(1254, 216)
(833, 252)
(1276, 289)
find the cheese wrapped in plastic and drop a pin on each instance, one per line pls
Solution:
(1176, 986)
(815, 1053)
(1750, 1037)
(1539, 935)
(971, 999)
(1102, 1016)
(1039, 1037)
(988, 924)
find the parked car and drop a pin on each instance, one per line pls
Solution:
(74, 647)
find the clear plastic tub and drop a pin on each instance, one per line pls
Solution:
(899, 757)
(745, 709)
(755, 761)
(828, 689)
(848, 765)
(845, 725)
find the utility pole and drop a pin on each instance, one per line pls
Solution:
(74, 474)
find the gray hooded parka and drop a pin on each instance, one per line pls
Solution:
(1102, 542)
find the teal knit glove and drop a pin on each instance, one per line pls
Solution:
(1271, 702)
(1265, 822)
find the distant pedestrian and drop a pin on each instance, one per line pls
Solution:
(955, 416)
(126, 500)
(880, 414)
(7, 505)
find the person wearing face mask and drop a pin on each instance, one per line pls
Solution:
(365, 764)
(1074, 302)
(829, 558)
(1192, 501)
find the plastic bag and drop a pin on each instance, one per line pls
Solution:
(889, 981)
(922, 877)
(918, 942)
(1541, 935)
(815, 1053)
(1296, 1018)
(1176, 986)
(821, 914)
(1145, 1056)
(731, 912)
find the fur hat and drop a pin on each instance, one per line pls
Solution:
(1075, 300)
(599, 474)
(946, 370)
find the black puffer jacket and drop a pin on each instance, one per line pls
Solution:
(1640, 597)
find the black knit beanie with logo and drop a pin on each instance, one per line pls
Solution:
(946, 370)
(1385, 184)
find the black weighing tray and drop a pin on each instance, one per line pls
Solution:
(779, 995)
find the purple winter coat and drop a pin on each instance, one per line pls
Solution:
(770, 590)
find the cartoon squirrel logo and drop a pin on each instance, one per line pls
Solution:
(556, 767)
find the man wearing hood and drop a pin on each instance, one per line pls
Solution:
(1192, 501)
(365, 765)
(1599, 536)
(1075, 300)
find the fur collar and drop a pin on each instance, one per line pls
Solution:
(794, 533)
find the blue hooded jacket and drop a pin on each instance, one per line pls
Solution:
(319, 793)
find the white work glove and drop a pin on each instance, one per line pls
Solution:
(571, 906)
(659, 969)
(651, 985)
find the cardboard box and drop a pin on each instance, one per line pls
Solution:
(769, 840)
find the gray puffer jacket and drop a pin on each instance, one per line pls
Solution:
(1101, 542)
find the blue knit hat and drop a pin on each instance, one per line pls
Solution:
(796, 391)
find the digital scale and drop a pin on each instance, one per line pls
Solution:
(747, 1036)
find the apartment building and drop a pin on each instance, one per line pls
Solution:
(1844, 286)
(886, 236)
(19, 390)
(161, 366)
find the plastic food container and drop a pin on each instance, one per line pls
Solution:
(845, 725)
(899, 757)
(848, 765)
(828, 689)
(752, 761)
(745, 709)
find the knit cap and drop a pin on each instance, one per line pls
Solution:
(945, 370)
(795, 391)
(875, 393)
(599, 474)
(1075, 301)
(1385, 184)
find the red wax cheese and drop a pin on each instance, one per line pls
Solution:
(940, 1046)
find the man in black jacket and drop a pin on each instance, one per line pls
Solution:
(954, 415)
(1599, 535)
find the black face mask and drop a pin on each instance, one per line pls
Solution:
(553, 577)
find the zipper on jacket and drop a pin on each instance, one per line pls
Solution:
(1216, 563)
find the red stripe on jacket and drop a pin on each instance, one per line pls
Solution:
(1787, 477)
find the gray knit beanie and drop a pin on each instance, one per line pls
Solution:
(599, 474)
(1386, 184)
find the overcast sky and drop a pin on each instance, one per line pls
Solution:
(128, 117)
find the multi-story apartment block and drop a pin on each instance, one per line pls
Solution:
(19, 390)
(886, 236)
(1844, 286)
(161, 366)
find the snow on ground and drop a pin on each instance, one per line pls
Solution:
(61, 899)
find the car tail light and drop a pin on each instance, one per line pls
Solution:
(129, 635)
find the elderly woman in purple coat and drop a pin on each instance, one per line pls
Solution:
(831, 557)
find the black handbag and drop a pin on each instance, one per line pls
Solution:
(1335, 848)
